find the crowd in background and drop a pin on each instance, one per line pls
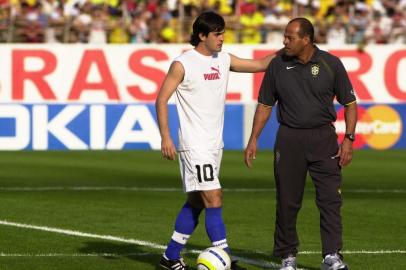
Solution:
(156, 21)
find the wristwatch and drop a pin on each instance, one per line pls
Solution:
(350, 136)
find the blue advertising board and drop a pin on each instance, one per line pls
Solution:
(134, 126)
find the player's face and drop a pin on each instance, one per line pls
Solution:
(294, 44)
(214, 41)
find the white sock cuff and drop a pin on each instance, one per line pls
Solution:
(180, 237)
(221, 244)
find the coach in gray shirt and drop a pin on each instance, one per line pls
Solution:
(304, 81)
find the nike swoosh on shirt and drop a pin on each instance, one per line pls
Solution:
(290, 67)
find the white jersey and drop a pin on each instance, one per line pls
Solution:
(200, 100)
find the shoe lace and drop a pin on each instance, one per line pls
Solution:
(333, 259)
(182, 262)
(289, 261)
(179, 264)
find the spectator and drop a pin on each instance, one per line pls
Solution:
(275, 22)
(98, 26)
(139, 32)
(54, 20)
(378, 29)
(251, 21)
(83, 22)
(119, 33)
(337, 34)
(5, 10)
(358, 25)
(159, 21)
(398, 32)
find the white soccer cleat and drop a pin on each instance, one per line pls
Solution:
(333, 262)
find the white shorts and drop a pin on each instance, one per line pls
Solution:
(200, 169)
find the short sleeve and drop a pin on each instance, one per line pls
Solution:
(267, 91)
(342, 85)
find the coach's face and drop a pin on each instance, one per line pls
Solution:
(294, 44)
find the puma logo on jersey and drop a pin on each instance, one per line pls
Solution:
(216, 69)
(212, 76)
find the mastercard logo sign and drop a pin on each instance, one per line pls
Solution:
(379, 127)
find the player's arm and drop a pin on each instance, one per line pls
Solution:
(262, 114)
(171, 82)
(249, 65)
(345, 150)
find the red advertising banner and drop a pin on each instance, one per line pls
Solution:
(128, 74)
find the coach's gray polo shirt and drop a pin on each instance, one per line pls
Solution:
(305, 92)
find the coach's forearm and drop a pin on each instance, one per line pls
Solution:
(350, 114)
(261, 116)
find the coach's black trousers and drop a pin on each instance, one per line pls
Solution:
(298, 151)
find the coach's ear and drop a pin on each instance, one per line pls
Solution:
(306, 40)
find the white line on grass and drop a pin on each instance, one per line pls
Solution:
(124, 240)
(141, 254)
(82, 234)
(173, 189)
(377, 252)
(263, 264)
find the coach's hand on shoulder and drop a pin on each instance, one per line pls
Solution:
(250, 153)
(168, 148)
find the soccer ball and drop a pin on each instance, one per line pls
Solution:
(213, 258)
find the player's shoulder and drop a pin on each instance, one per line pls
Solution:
(186, 59)
(185, 55)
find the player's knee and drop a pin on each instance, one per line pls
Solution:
(213, 202)
(212, 198)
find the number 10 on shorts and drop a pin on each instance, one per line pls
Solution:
(207, 171)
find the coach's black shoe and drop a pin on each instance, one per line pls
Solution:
(235, 266)
(172, 264)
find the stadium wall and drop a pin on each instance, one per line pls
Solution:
(78, 97)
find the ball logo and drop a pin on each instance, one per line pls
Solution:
(315, 70)
(379, 127)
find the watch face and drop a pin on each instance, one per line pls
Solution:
(350, 136)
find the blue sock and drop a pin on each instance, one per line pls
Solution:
(215, 228)
(185, 224)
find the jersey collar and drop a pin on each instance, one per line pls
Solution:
(316, 55)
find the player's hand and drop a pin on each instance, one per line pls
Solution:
(344, 153)
(250, 153)
(168, 148)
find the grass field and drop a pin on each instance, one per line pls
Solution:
(115, 210)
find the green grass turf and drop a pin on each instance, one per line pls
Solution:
(372, 220)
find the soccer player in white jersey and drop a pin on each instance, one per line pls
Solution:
(199, 78)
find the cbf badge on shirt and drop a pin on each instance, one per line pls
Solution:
(315, 69)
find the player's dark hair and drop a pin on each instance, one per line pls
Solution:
(306, 28)
(207, 22)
